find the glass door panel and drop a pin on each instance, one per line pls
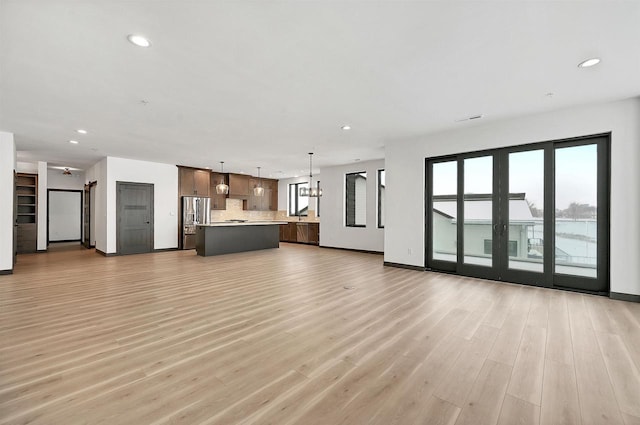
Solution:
(478, 211)
(576, 201)
(445, 211)
(526, 211)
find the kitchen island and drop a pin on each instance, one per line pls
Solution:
(236, 236)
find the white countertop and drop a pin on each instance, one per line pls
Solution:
(244, 223)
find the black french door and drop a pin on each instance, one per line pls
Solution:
(536, 214)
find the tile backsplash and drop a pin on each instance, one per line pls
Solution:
(234, 211)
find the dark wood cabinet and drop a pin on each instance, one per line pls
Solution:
(268, 201)
(239, 185)
(284, 232)
(194, 182)
(300, 232)
(201, 182)
(218, 202)
(314, 233)
(26, 212)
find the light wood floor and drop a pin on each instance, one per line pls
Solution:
(272, 337)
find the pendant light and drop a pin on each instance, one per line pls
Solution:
(221, 188)
(311, 191)
(258, 190)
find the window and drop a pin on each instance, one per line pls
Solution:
(298, 205)
(381, 191)
(513, 247)
(356, 199)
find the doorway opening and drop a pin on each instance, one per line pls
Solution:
(64, 215)
(89, 238)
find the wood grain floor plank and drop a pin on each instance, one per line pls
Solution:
(484, 403)
(560, 404)
(598, 404)
(518, 412)
(528, 370)
(272, 337)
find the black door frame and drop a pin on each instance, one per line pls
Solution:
(151, 214)
(499, 270)
(81, 214)
(86, 232)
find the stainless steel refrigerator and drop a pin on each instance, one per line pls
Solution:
(195, 210)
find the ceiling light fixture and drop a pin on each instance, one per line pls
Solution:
(258, 190)
(311, 191)
(73, 142)
(66, 172)
(81, 131)
(139, 40)
(346, 127)
(589, 62)
(222, 188)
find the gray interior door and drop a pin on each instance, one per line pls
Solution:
(134, 217)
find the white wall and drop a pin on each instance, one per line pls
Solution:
(57, 180)
(404, 229)
(164, 177)
(7, 166)
(98, 173)
(333, 232)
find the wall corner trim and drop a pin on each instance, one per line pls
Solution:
(624, 297)
(104, 254)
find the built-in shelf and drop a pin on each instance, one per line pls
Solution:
(26, 212)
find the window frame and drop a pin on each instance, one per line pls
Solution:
(379, 203)
(295, 202)
(346, 197)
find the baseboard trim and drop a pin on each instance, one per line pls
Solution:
(41, 251)
(364, 251)
(404, 266)
(624, 297)
(165, 249)
(6, 272)
(104, 254)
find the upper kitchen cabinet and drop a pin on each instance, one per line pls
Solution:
(218, 202)
(267, 202)
(238, 186)
(194, 182)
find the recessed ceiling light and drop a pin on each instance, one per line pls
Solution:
(73, 142)
(81, 131)
(139, 40)
(589, 62)
(346, 127)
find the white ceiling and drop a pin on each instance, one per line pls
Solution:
(261, 83)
